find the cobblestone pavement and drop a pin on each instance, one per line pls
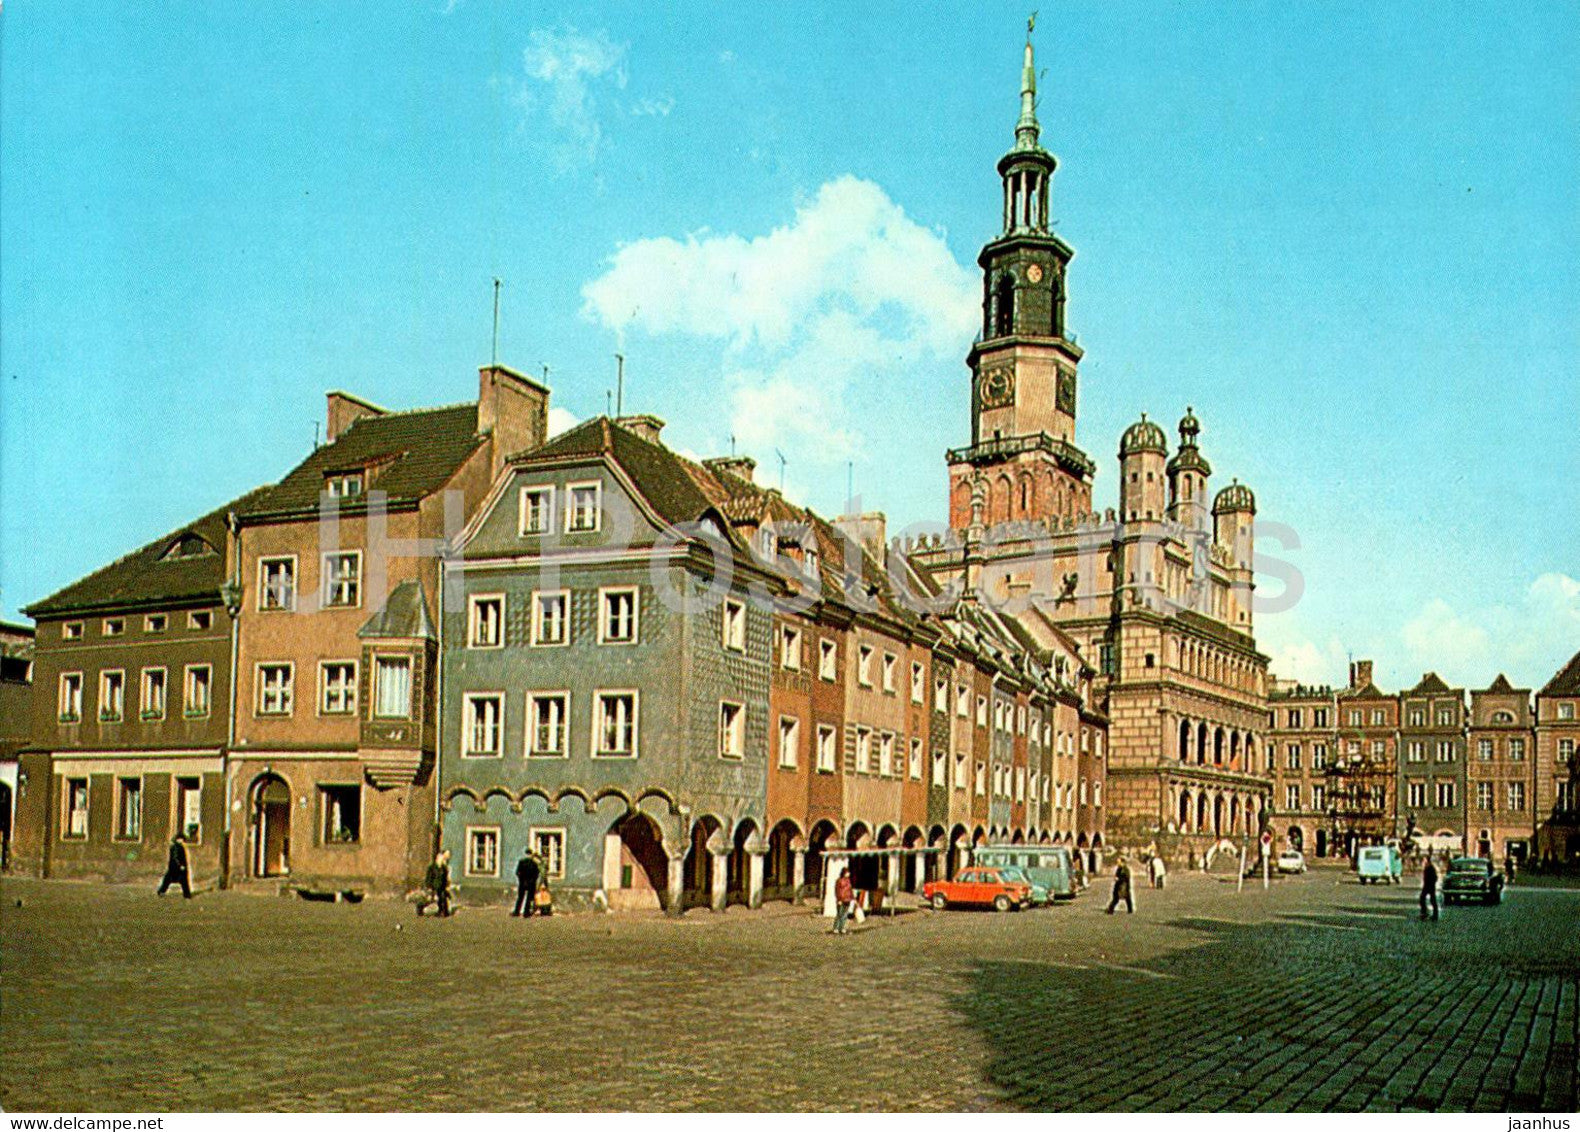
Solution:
(1320, 994)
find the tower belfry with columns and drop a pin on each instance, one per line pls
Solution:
(1022, 463)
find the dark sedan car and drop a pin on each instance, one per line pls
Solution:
(1472, 878)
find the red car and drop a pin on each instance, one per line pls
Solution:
(979, 886)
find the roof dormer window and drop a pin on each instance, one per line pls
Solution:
(188, 545)
(343, 485)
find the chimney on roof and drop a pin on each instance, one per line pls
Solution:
(870, 528)
(739, 466)
(1360, 673)
(345, 410)
(513, 410)
(645, 425)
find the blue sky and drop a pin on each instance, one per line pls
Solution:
(1348, 235)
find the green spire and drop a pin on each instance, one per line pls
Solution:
(1026, 130)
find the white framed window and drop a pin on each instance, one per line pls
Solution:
(617, 615)
(153, 697)
(1319, 797)
(482, 725)
(548, 724)
(734, 625)
(275, 688)
(551, 617)
(1516, 750)
(732, 730)
(482, 851)
(197, 691)
(1566, 711)
(1445, 717)
(790, 649)
(1020, 719)
(128, 809)
(789, 742)
(343, 579)
(615, 724)
(337, 687)
(918, 683)
(1020, 784)
(1415, 792)
(1379, 748)
(392, 687)
(1445, 795)
(537, 510)
(345, 485)
(827, 750)
(864, 666)
(113, 626)
(982, 711)
(963, 701)
(74, 799)
(890, 661)
(916, 759)
(1083, 791)
(112, 696)
(1292, 797)
(155, 623)
(960, 772)
(71, 631)
(940, 769)
(1097, 794)
(1355, 719)
(1417, 717)
(863, 751)
(189, 807)
(1046, 788)
(1566, 751)
(583, 507)
(277, 583)
(981, 778)
(1445, 751)
(1484, 796)
(941, 696)
(485, 621)
(1379, 717)
(827, 660)
(200, 620)
(886, 765)
(70, 705)
(549, 845)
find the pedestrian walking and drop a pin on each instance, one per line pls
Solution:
(527, 872)
(438, 882)
(1121, 889)
(177, 870)
(1159, 871)
(844, 902)
(1508, 868)
(1429, 887)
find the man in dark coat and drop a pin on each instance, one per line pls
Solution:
(527, 873)
(176, 871)
(1429, 887)
(1121, 889)
(438, 882)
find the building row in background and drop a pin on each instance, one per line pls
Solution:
(673, 684)
(1491, 773)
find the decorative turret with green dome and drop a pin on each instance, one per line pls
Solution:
(1023, 365)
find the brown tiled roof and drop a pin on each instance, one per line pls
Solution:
(413, 453)
(1369, 692)
(1567, 681)
(1502, 686)
(149, 576)
(404, 616)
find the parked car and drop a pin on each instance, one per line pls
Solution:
(1039, 892)
(1291, 861)
(1380, 864)
(1045, 866)
(1472, 878)
(983, 887)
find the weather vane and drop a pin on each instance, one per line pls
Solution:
(1031, 24)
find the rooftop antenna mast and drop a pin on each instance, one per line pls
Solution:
(782, 463)
(619, 385)
(732, 444)
(608, 403)
(494, 357)
(850, 481)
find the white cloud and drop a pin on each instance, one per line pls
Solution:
(852, 289)
(1527, 638)
(1299, 658)
(653, 107)
(564, 70)
(561, 420)
(726, 56)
